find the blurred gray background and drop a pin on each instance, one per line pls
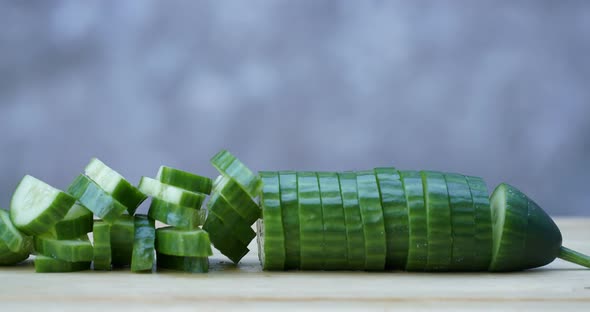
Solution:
(498, 89)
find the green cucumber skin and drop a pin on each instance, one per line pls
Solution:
(122, 239)
(274, 239)
(10, 235)
(175, 215)
(373, 224)
(289, 203)
(142, 258)
(78, 250)
(355, 236)
(185, 264)
(185, 243)
(418, 242)
(172, 194)
(311, 228)
(333, 220)
(543, 239)
(10, 258)
(44, 264)
(228, 165)
(101, 232)
(219, 206)
(483, 223)
(96, 199)
(438, 209)
(463, 223)
(224, 239)
(395, 217)
(238, 198)
(185, 180)
(70, 228)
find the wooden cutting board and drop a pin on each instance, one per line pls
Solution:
(246, 287)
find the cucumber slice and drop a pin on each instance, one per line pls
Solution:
(10, 235)
(142, 258)
(96, 199)
(115, 185)
(186, 264)
(373, 224)
(171, 194)
(122, 240)
(238, 198)
(274, 239)
(184, 180)
(229, 166)
(418, 226)
(336, 257)
(77, 222)
(102, 245)
(224, 239)
(219, 206)
(483, 223)
(36, 206)
(288, 190)
(438, 212)
(311, 228)
(463, 222)
(44, 264)
(355, 236)
(395, 217)
(9, 257)
(73, 250)
(175, 215)
(186, 243)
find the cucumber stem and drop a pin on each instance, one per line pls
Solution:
(574, 257)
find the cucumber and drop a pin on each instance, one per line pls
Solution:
(185, 243)
(73, 250)
(142, 258)
(10, 235)
(311, 228)
(483, 223)
(219, 206)
(115, 185)
(171, 194)
(96, 199)
(395, 217)
(184, 180)
(186, 264)
(336, 256)
(9, 257)
(122, 240)
(417, 220)
(355, 236)
(438, 211)
(77, 222)
(229, 166)
(463, 222)
(175, 215)
(44, 264)
(290, 216)
(224, 239)
(274, 239)
(102, 245)
(36, 206)
(373, 224)
(238, 198)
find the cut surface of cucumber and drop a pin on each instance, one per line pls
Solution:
(186, 264)
(72, 250)
(44, 264)
(288, 187)
(229, 166)
(122, 239)
(185, 180)
(238, 198)
(36, 206)
(185, 243)
(274, 239)
(373, 224)
(463, 223)
(175, 215)
(418, 227)
(96, 199)
(171, 194)
(142, 259)
(333, 220)
(311, 228)
(355, 236)
(101, 232)
(438, 210)
(10, 235)
(77, 222)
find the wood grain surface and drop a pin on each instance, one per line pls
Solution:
(559, 285)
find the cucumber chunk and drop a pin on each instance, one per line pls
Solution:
(186, 264)
(102, 245)
(171, 194)
(418, 227)
(175, 215)
(36, 206)
(220, 207)
(238, 198)
(96, 199)
(73, 250)
(186, 243)
(274, 239)
(355, 236)
(142, 258)
(438, 210)
(10, 235)
(483, 223)
(463, 222)
(223, 238)
(122, 239)
(311, 228)
(373, 224)
(184, 180)
(9, 257)
(77, 222)
(229, 166)
(290, 216)
(44, 264)
(333, 221)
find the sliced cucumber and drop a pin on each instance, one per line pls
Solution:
(102, 245)
(219, 206)
(9, 257)
(483, 223)
(418, 226)
(175, 215)
(238, 198)
(333, 220)
(115, 185)
(311, 228)
(438, 209)
(355, 236)
(73, 250)
(274, 238)
(186, 264)
(36, 206)
(229, 166)
(185, 180)
(142, 258)
(373, 224)
(122, 240)
(171, 194)
(463, 222)
(186, 243)
(395, 217)
(224, 239)
(96, 199)
(10, 235)
(77, 222)
(44, 264)
(290, 216)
